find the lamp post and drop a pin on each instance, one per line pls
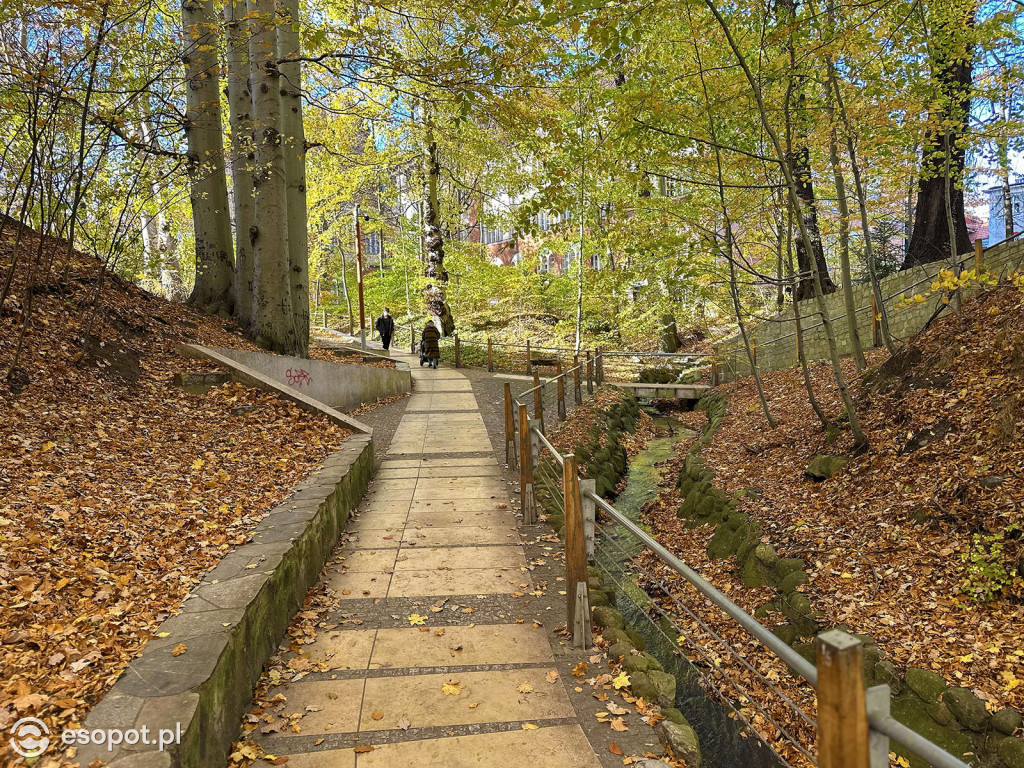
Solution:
(359, 278)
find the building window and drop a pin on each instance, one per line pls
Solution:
(545, 260)
(371, 241)
(489, 236)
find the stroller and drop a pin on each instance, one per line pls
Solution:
(430, 361)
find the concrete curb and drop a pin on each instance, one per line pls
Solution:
(231, 623)
(252, 377)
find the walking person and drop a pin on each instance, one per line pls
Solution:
(430, 346)
(385, 326)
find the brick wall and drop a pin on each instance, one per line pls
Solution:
(775, 339)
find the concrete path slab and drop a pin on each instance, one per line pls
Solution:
(427, 657)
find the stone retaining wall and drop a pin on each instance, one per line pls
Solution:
(230, 625)
(775, 338)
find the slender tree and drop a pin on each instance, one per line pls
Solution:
(208, 181)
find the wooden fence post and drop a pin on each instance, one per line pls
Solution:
(589, 514)
(560, 390)
(590, 373)
(412, 347)
(714, 366)
(876, 325)
(490, 355)
(529, 363)
(538, 401)
(979, 256)
(575, 552)
(510, 429)
(527, 496)
(457, 356)
(599, 366)
(577, 394)
(842, 709)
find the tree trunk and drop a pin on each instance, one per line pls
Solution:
(844, 238)
(940, 195)
(273, 322)
(170, 267)
(208, 188)
(294, 148)
(432, 235)
(810, 255)
(1003, 150)
(243, 154)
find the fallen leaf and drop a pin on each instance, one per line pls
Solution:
(179, 649)
(551, 676)
(451, 688)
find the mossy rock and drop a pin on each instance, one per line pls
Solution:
(614, 635)
(823, 466)
(913, 713)
(666, 685)
(673, 714)
(556, 520)
(636, 639)
(925, 683)
(643, 687)
(594, 572)
(786, 633)
(797, 608)
(598, 597)
(887, 673)
(788, 565)
(652, 662)
(763, 611)
(791, 581)
(748, 540)
(967, 708)
(1007, 720)
(723, 543)
(606, 616)
(582, 454)
(940, 713)
(1011, 752)
(634, 664)
(619, 650)
(685, 484)
(736, 520)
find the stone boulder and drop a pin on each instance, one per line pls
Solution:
(926, 684)
(823, 466)
(682, 740)
(967, 708)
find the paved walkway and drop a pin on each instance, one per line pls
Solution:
(438, 650)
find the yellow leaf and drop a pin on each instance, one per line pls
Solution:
(198, 464)
(416, 620)
(530, 726)
(451, 688)
(621, 680)
(179, 649)
(524, 688)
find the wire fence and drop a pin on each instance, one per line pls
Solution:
(810, 737)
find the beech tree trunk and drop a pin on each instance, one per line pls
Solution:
(294, 148)
(208, 189)
(273, 323)
(243, 154)
(432, 234)
(940, 195)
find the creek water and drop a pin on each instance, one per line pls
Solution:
(725, 742)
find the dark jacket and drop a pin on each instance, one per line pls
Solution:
(385, 325)
(431, 339)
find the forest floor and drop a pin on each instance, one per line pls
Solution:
(890, 539)
(118, 490)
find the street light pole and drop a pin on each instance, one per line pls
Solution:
(359, 278)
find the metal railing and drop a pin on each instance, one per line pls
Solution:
(854, 724)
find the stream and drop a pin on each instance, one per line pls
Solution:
(725, 742)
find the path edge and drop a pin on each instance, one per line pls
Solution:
(255, 590)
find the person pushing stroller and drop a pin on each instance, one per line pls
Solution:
(430, 346)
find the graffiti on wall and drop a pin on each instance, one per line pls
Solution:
(298, 377)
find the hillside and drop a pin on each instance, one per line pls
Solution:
(118, 490)
(917, 542)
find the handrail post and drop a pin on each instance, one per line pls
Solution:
(560, 389)
(590, 373)
(457, 356)
(412, 346)
(876, 326)
(577, 394)
(588, 487)
(527, 496)
(529, 363)
(538, 401)
(714, 366)
(879, 703)
(510, 429)
(842, 709)
(490, 355)
(979, 256)
(575, 553)
(599, 366)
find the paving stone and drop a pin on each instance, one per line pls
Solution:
(336, 704)
(460, 557)
(466, 581)
(480, 644)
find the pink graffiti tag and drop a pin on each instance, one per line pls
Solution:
(298, 376)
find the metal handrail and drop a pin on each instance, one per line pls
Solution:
(882, 723)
